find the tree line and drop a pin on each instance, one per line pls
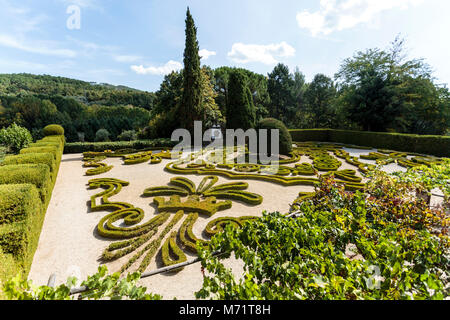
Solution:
(374, 90)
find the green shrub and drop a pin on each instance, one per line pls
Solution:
(129, 135)
(21, 218)
(285, 142)
(155, 244)
(37, 174)
(37, 134)
(53, 130)
(102, 135)
(3, 152)
(15, 137)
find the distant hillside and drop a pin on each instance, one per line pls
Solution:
(85, 92)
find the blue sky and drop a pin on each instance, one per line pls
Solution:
(136, 42)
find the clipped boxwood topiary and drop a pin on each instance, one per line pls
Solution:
(53, 130)
(37, 174)
(33, 158)
(285, 136)
(21, 220)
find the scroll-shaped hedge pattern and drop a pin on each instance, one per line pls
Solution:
(217, 225)
(95, 162)
(125, 222)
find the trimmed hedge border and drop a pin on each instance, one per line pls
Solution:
(432, 145)
(187, 237)
(33, 158)
(80, 147)
(21, 217)
(169, 249)
(37, 174)
(155, 244)
(26, 185)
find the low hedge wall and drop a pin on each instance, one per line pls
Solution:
(37, 174)
(18, 201)
(53, 150)
(26, 184)
(8, 269)
(21, 218)
(80, 147)
(432, 145)
(33, 158)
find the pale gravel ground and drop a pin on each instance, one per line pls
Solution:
(68, 244)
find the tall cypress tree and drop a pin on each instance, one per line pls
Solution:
(191, 99)
(241, 113)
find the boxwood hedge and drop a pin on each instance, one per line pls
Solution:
(37, 174)
(21, 218)
(33, 158)
(53, 130)
(432, 145)
(26, 183)
(80, 147)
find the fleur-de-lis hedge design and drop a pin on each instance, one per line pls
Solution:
(185, 200)
(202, 199)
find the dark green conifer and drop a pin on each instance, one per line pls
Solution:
(191, 99)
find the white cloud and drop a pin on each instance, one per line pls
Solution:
(41, 47)
(205, 54)
(267, 54)
(17, 22)
(338, 15)
(162, 70)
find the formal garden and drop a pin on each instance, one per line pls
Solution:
(97, 201)
(328, 220)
